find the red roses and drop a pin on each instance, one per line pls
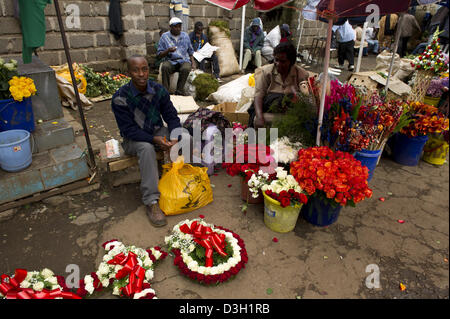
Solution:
(338, 175)
(287, 197)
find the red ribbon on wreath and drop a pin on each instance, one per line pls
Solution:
(205, 237)
(131, 268)
(10, 288)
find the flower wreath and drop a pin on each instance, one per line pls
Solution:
(34, 285)
(128, 269)
(206, 253)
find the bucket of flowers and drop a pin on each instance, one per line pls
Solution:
(16, 110)
(244, 161)
(206, 253)
(332, 180)
(283, 198)
(422, 121)
(435, 91)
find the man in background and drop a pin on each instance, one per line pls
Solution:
(176, 46)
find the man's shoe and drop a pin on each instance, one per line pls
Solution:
(338, 66)
(351, 67)
(219, 80)
(156, 216)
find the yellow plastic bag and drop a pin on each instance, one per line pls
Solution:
(251, 80)
(63, 71)
(183, 188)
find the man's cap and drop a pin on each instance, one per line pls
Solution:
(285, 27)
(175, 20)
(256, 21)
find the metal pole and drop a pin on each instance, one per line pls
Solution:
(397, 40)
(325, 73)
(301, 28)
(241, 49)
(361, 47)
(74, 83)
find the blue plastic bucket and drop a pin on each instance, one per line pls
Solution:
(16, 115)
(15, 150)
(369, 159)
(408, 150)
(320, 213)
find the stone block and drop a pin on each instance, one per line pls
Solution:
(98, 54)
(93, 23)
(102, 39)
(53, 42)
(6, 8)
(100, 8)
(50, 10)
(10, 45)
(148, 9)
(50, 57)
(79, 56)
(49, 135)
(134, 38)
(161, 10)
(196, 11)
(10, 25)
(133, 9)
(211, 11)
(135, 49)
(81, 40)
(115, 53)
(151, 23)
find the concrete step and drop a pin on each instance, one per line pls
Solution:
(49, 169)
(51, 134)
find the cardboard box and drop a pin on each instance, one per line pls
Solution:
(228, 109)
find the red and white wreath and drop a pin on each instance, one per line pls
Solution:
(206, 253)
(128, 269)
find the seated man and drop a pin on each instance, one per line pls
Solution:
(198, 40)
(274, 81)
(139, 108)
(253, 43)
(371, 38)
(176, 46)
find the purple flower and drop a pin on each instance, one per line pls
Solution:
(436, 88)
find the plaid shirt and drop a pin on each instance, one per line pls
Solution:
(183, 45)
(138, 114)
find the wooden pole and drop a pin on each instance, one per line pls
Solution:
(325, 72)
(397, 40)
(75, 87)
(361, 47)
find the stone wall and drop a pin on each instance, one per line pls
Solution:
(91, 42)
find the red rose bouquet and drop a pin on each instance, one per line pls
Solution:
(248, 159)
(337, 177)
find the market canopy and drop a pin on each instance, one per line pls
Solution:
(258, 5)
(357, 8)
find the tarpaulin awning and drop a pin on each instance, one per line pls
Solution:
(357, 8)
(258, 5)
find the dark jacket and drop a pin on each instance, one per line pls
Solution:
(257, 44)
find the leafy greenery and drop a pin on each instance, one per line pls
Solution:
(199, 255)
(222, 25)
(205, 84)
(7, 71)
(101, 83)
(299, 121)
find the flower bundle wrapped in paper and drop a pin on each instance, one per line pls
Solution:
(34, 285)
(206, 253)
(337, 177)
(285, 151)
(128, 269)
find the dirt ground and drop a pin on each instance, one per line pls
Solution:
(309, 262)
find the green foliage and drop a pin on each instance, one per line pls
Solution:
(199, 255)
(205, 84)
(222, 25)
(7, 71)
(403, 122)
(298, 122)
(101, 83)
